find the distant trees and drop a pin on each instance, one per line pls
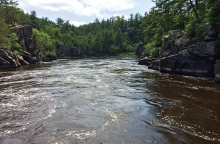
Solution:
(113, 35)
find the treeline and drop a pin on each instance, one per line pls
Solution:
(113, 35)
(110, 36)
(187, 15)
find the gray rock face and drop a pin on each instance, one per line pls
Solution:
(174, 42)
(181, 56)
(27, 57)
(66, 51)
(25, 35)
(69, 52)
(8, 60)
(22, 61)
(212, 31)
(208, 39)
(205, 48)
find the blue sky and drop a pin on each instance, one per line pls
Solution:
(80, 12)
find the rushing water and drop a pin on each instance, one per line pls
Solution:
(106, 100)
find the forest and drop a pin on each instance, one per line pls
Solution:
(110, 36)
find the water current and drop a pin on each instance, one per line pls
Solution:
(106, 100)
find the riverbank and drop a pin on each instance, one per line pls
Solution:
(183, 56)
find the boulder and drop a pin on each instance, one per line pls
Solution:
(12, 55)
(22, 61)
(27, 57)
(146, 61)
(211, 31)
(168, 64)
(49, 58)
(174, 42)
(8, 60)
(4, 64)
(209, 38)
(155, 65)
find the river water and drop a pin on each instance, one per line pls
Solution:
(106, 100)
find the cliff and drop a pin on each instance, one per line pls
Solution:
(28, 56)
(64, 51)
(183, 56)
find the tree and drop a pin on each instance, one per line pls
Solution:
(14, 45)
(43, 43)
(33, 19)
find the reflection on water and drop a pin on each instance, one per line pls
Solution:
(111, 100)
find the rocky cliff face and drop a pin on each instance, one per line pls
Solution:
(28, 56)
(25, 34)
(185, 57)
(8, 60)
(69, 52)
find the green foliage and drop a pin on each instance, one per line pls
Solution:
(114, 35)
(127, 54)
(4, 32)
(213, 13)
(155, 52)
(184, 15)
(43, 43)
(191, 27)
(17, 53)
(14, 45)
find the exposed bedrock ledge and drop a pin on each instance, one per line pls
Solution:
(8, 60)
(64, 51)
(185, 57)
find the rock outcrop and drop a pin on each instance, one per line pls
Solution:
(8, 60)
(68, 52)
(49, 58)
(64, 51)
(185, 57)
(25, 35)
(29, 58)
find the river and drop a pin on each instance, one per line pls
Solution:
(106, 100)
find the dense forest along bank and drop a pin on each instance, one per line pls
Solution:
(106, 100)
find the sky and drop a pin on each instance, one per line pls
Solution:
(80, 12)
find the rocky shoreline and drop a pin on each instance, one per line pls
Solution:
(183, 56)
(27, 56)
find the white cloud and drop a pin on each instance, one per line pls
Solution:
(83, 7)
(120, 15)
(76, 23)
